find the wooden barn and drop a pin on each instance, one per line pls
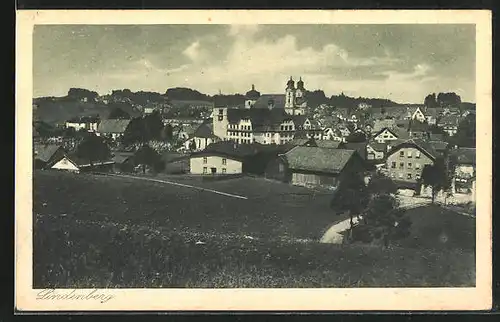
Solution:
(314, 166)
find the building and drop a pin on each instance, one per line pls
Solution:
(449, 124)
(88, 123)
(405, 161)
(375, 151)
(251, 97)
(359, 147)
(418, 115)
(123, 161)
(295, 97)
(314, 166)
(465, 169)
(418, 130)
(202, 137)
(223, 158)
(44, 155)
(112, 128)
(386, 134)
(76, 165)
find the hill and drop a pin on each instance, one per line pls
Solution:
(58, 110)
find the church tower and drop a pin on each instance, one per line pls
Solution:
(290, 96)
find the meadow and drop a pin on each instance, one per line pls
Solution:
(101, 231)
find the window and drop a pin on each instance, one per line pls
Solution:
(409, 154)
(204, 170)
(400, 175)
(417, 176)
(224, 161)
(204, 160)
(417, 166)
(401, 153)
(409, 165)
(408, 176)
(392, 175)
(417, 154)
(223, 170)
(401, 165)
(393, 165)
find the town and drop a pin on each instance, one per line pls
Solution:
(298, 157)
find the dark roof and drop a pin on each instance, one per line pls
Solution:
(300, 135)
(263, 101)
(318, 159)
(438, 145)
(120, 157)
(378, 146)
(80, 162)
(434, 112)
(328, 144)
(359, 147)
(204, 131)
(46, 152)
(422, 145)
(113, 126)
(302, 142)
(262, 118)
(465, 155)
(416, 126)
(436, 137)
(232, 150)
(252, 94)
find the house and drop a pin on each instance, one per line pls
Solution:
(303, 142)
(342, 113)
(432, 115)
(405, 161)
(449, 124)
(344, 131)
(112, 128)
(224, 158)
(418, 130)
(123, 161)
(375, 151)
(184, 132)
(441, 147)
(201, 138)
(465, 169)
(386, 134)
(77, 165)
(417, 114)
(314, 166)
(88, 123)
(46, 154)
(378, 125)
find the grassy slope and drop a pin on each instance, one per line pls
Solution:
(108, 232)
(59, 111)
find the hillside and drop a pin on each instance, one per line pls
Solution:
(58, 110)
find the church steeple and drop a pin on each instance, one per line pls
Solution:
(300, 84)
(290, 84)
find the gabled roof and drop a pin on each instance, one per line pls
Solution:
(318, 159)
(381, 147)
(393, 131)
(204, 131)
(263, 101)
(423, 146)
(120, 157)
(465, 155)
(46, 152)
(231, 150)
(438, 145)
(328, 144)
(113, 126)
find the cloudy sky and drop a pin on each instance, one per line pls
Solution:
(399, 62)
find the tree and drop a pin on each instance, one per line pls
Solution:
(168, 133)
(118, 113)
(93, 148)
(147, 156)
(152, 126)
(192, 145)
(383, 221)
(466, 133)
(448, 100)
(135, 132)
(381, 184)
(430, 101)
(351, 196)
(436, 176)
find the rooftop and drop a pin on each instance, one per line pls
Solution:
(318, 159)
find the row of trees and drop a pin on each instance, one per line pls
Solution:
(450, 99)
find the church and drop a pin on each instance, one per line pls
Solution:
(266, 118)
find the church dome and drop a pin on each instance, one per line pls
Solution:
(290, 83)
(300, 84)
(252, 94)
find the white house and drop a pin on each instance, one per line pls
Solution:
(385, 135)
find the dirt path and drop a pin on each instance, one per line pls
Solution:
(180, 185)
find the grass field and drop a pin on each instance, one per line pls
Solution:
(99, 231)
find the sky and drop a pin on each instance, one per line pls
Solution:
(399, 62)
